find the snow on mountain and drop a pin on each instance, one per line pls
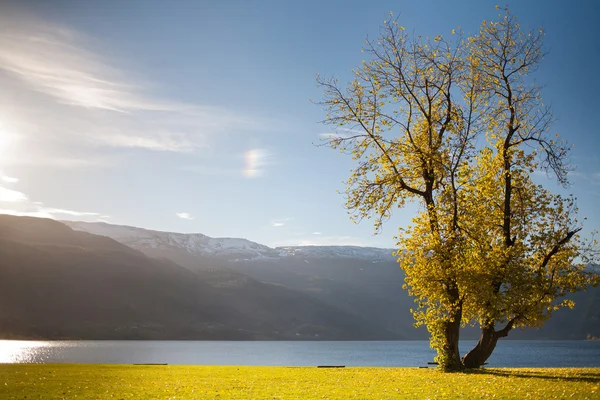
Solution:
(233, 249)
(195, 243)
(369, 253)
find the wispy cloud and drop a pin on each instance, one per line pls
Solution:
(185, 215)
(256, 161)
(9, 179)
(33, 213)
(18, 203)
(51, 61)
(317, 233)
(37, 210)
(276, 223)
(11, 196)
(339, 134)
(87, 101)
(61, 211)
(589, 178)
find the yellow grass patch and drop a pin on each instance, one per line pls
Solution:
(85, 381)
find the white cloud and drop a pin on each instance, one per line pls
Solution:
(34, 210)
(21, 205)
(53, 211)
(11, 196)
(281, 221)
(35, 213)
(185, 215)
(72, 96)
(255, 162)
(166, 141)
(55, 60)
(317, 233)
(9, 179)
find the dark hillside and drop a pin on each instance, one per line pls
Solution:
(60, 283)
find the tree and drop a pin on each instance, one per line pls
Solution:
(453, 126)
(526, 245)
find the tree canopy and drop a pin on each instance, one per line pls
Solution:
(456, 125)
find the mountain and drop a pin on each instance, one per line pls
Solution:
(363, 282)
(196, 243)
(231, 249)
(61, 283)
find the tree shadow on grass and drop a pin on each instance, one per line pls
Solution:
(591, 377)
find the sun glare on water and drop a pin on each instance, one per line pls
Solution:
(18, 351)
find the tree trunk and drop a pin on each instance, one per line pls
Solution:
(451, 360)
(449, 355)
(485, 346)
(482, 350)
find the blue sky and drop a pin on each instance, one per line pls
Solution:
(194, 116)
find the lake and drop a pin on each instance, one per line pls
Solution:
(509, 353)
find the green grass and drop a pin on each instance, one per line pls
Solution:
(68, 381)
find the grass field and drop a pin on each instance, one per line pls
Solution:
(68, 381)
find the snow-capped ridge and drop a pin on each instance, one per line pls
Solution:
(233, 249)
(371, 253)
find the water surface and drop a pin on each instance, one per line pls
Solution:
(509, 353)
